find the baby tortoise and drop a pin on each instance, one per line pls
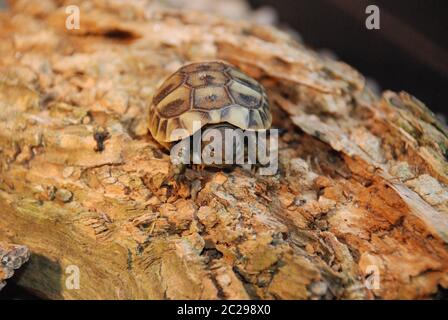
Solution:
(214, 94)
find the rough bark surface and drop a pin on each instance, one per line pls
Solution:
(12, 257)
(361, 188)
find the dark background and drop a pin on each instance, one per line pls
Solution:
(408, 53)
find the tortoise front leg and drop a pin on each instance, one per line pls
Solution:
(175, 174)
(179, 157)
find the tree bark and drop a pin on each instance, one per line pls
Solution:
(357, 210)
(12, 257)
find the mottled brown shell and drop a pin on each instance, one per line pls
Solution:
(211, 92)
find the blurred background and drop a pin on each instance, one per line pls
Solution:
(409, 52)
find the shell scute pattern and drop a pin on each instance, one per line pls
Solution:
(204, 66)
(245, 80)
(207, 78)
(175, 103)
(168, 86)
(207, 98)
(209, 92)
(244, 95)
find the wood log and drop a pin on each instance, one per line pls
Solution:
(12, 257)
(358, 208)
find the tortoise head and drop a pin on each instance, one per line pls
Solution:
(218, 146)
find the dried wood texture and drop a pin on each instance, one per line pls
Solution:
(361, 185)
(12, 257)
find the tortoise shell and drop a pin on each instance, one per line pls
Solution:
(210, 92)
